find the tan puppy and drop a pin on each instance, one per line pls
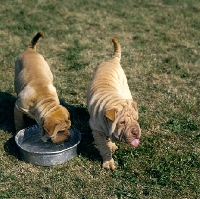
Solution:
(113, 113)
(37, 97)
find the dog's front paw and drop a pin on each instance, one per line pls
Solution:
(109, 164)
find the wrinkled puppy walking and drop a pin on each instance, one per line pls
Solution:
(37, 97)
(113, 113)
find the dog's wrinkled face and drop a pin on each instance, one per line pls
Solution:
(57, 125)
(123, 119)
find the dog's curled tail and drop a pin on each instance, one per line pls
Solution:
(35, 40)
(117, 48)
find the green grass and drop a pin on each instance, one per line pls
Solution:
(160, 43)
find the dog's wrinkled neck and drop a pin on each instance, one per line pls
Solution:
(51, 105)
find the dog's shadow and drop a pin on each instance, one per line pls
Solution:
(80, 120)
(7, 102)
(79, 117)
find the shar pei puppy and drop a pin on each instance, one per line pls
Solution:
(37, 97)
(113, 113)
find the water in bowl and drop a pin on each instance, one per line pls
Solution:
(32, 142)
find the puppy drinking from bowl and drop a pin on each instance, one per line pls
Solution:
(113, 113)
(37, 97)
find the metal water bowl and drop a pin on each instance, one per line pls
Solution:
(35, 151)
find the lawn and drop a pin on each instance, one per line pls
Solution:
(160, 41)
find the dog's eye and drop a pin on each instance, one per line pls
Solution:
(122, 122)
(61, 132)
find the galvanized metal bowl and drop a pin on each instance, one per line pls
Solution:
(35, 151)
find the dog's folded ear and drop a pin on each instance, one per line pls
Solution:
(111, 114)
(134, 105)
(50, 126)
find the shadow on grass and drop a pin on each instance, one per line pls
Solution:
(7, 102)
(80, 120)
(79, 117)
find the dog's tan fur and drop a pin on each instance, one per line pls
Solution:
(37, 97)
(113, 113)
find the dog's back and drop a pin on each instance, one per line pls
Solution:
(30, 68)
(109, 78)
